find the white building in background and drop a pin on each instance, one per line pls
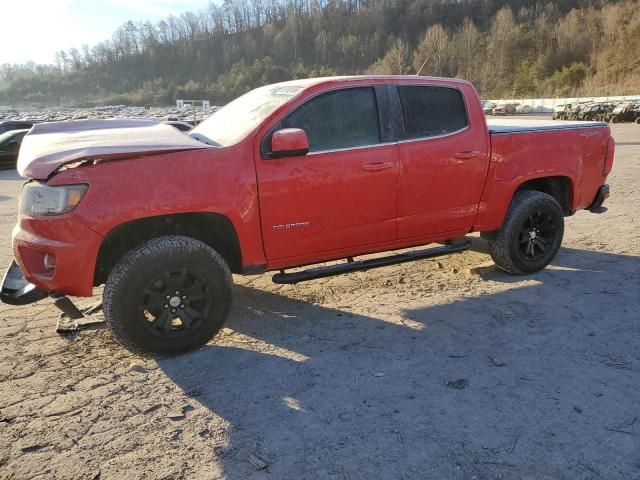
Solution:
(189, 104)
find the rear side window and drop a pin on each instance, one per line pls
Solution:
(338, 119)
(431, 111)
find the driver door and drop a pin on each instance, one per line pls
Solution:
(340, 195)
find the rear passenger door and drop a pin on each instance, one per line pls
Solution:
(443, 160)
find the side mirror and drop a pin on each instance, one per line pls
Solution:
(289, 142)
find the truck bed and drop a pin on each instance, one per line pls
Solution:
(498, 126)
(522, 150)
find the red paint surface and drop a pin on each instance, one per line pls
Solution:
(322, 206)
(517, 158)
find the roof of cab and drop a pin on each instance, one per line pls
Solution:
(308, 82)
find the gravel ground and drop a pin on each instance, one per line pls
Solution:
(446, 369)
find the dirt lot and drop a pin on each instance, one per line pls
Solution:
(346, 378)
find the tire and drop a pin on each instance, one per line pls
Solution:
(193, 276)
(532, 215)
(638, 120)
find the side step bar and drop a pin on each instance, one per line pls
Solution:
(353, 266)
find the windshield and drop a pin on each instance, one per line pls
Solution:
(235, 120)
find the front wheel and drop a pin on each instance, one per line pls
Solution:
(531, 234)
(170, 295)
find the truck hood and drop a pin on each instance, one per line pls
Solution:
(49, 146)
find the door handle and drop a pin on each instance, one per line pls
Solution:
(376, 166)
(466, 154)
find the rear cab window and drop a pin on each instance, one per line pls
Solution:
(339, 119)
(430, 111)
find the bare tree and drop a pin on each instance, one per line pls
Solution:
(498, 69)
(467, 50)
(396, 61)
(433, 53)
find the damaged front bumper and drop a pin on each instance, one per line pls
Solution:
(17, 290)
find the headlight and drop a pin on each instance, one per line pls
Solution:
(39, 199)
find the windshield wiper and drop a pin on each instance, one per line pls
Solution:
(201, 138)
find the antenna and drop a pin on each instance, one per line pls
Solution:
(423, 64)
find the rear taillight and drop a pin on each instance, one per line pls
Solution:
(608, 159)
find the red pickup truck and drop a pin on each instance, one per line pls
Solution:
(288, 175)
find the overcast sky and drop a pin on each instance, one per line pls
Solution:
(35, 29)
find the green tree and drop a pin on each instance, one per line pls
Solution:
(527, 77)
(568, 80)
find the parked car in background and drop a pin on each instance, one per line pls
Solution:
(606, 111)
(487, 107)
(10, 146)
(560, 110)
(523, 108)
(574, 111)
(595, 111)
(180, 125)
(570, 111)
(625, 112)
(6, 125)
(504, 109)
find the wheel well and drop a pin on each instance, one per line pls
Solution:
(558, 187)
(211, 228)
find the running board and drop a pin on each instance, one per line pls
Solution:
(354, 266)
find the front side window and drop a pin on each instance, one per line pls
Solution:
(431, 111)
(338, 119)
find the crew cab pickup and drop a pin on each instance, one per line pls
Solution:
(288, 175)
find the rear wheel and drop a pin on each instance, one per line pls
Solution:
(531, 234)
(170, 295)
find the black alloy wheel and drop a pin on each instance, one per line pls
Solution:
(167, 296)
(175, 303)
(530, 235)
(537, 234)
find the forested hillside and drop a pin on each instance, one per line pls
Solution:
(521, 48)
